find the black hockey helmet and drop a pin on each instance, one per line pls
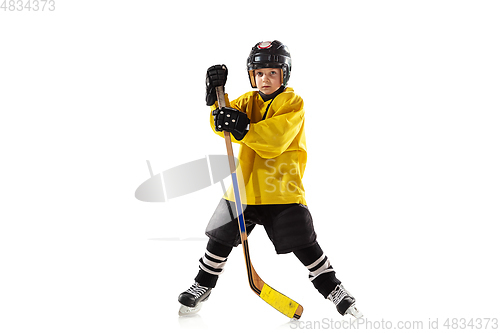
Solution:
(269, 55)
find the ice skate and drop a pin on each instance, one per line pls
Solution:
(344, 301)
(192, 299)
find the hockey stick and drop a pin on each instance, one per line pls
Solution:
(277, 300)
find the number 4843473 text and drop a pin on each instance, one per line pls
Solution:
(28, 5)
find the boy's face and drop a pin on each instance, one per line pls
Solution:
(268, 80)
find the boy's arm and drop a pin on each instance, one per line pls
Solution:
(216, 76)
(271, 137)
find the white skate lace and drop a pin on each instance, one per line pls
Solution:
(196, 290)
(338, 294)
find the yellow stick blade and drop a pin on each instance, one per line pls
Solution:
(280, 302)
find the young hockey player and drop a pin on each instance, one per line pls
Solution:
(269, 126)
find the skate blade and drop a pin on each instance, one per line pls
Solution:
(353, 311)
(186, 310)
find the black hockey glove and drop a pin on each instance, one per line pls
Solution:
(231, 120)
(216, 76)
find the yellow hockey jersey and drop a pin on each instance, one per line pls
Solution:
(272, 156)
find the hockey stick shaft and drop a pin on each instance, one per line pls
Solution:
(277, 300)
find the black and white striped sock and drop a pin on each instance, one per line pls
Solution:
(212, 264)
(321, 273)
(320, 266)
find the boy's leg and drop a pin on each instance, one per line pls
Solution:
(323, 278)
(212, 263)
(223, 234)
(321, 273)
(211, 266)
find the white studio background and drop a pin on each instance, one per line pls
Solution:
(402, 177)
